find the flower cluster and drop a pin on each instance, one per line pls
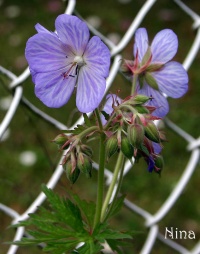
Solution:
(78, 157)
(154, 71)
(68, 59)
(133, 131)
(62, 61)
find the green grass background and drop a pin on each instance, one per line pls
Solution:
(19, 184)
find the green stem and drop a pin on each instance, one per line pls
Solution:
(120, 179)
(99, 119)
(108, 122)
(112, 185)
(100, 184)
(129, 107)
(134, 84)
(119, 184)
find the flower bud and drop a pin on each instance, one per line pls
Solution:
(159, 163)
(151, 132)
(111, 146)
(60, 140)
(84, 164)
(66, 158)
(135, 134)
(72, 175)
(127, 148)
(140, 99)
(86, 150)
(141, 109)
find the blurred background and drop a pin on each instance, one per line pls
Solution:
(27, 156)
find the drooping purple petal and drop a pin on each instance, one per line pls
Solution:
(111, 99)
(53, 89)
(164, 46)
(97, 57)
(72, 32)
(141, 43)
(157, 147)
(150, 163)
(45, 53)
(158, 100)
(172, 79)
(90, 90)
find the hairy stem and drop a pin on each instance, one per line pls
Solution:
(118, 187)
(100, 184)
(109, 194)
(99, 119)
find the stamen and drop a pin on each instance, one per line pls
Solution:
(76, 71)
(67, 73)
(74, 68)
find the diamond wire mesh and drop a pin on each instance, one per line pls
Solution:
(151, 220)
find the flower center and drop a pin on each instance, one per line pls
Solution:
(79, 60)
(73, 70)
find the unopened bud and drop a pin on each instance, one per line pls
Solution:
(86, 150)
(151, 132)
(140, 99)
(141, 109)
(111, 146)
(127, 148)
(84, 164)
(60, 140)
(135, 134)
(72, 174)
(159, 163)
(66, 158)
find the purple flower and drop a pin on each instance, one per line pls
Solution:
(156, 73)
(62, 61)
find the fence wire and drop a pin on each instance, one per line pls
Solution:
(151, 221)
